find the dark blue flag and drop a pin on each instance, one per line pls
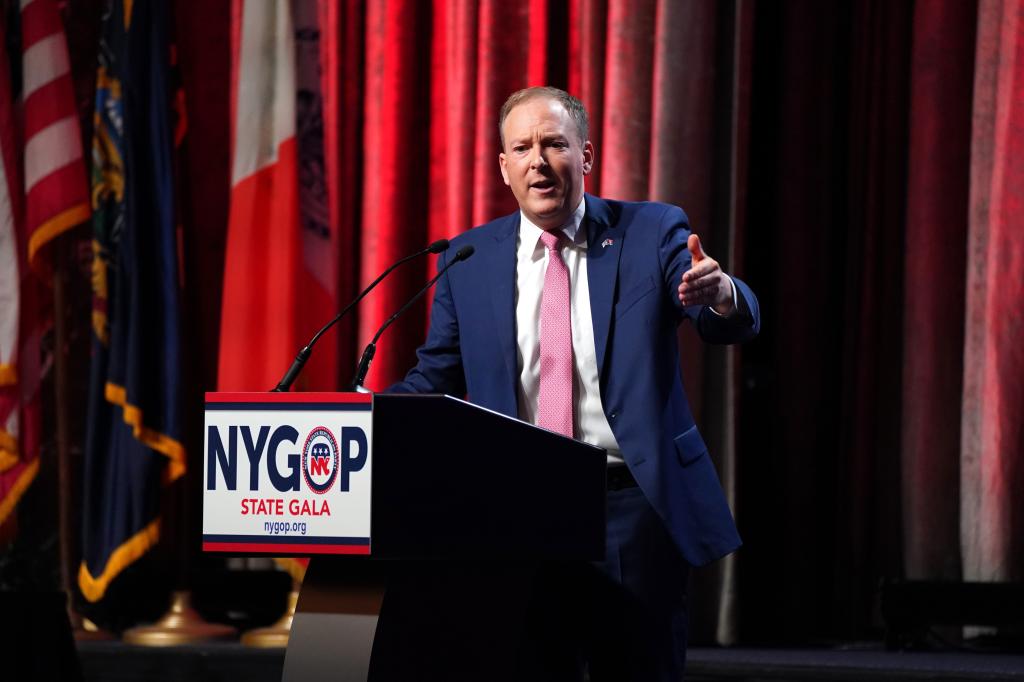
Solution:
(134, 441)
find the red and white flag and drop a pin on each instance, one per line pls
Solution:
(10, 278)
(258, 337)
(38, 202)
(56, 191)
(16, 469)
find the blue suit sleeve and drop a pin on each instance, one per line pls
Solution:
(439, 366)
(743, 324)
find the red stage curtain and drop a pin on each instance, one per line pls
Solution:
(933, 326)
(341, 59)
(819, 428)
(992, 427)
(205, 59)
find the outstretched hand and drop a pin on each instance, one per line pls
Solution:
(705, 283)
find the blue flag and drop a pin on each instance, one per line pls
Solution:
(134, 441)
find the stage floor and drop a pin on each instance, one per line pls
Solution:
(829, 664)
(119, 662)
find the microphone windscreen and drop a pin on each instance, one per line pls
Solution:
(438, 246)
(465, 252)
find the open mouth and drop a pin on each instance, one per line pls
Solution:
(543, 186)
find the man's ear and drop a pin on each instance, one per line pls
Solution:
(588, 157)
(504, 170)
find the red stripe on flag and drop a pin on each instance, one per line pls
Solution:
(55, 193)
(39, 20)
(59, 200)
(49, 104)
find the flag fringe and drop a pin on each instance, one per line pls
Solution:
(18, 489)
(8, 450)
(54, 227)
(121, 558)
(160, 442)
(8, 456)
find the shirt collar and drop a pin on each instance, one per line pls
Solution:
(529, 234)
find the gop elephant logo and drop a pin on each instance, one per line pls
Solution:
(320, 462)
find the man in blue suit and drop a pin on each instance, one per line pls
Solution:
(566, 317)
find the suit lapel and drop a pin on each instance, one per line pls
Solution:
(604, 244)
(501, 269)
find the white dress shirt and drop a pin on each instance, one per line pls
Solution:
(589, 421)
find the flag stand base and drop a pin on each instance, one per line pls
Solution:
(276, 635)
(180, 625)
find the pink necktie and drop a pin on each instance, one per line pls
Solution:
(554, 409)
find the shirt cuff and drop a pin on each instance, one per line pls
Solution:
(735, 302)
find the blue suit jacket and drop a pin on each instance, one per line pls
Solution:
(636, 256)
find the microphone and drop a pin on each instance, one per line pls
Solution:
(303, 356)
(371, 348)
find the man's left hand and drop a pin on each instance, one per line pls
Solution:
(705, 283)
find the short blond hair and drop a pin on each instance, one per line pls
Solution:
(577, 112)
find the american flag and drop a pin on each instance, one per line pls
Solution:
(56, 192)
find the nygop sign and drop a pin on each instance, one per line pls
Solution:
(287, 473)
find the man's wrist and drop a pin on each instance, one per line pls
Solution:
(729, 307)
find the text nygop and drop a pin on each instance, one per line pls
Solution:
(222, 455)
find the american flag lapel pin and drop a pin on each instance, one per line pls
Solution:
(607, 242)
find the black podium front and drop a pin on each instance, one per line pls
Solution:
(467, 504)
